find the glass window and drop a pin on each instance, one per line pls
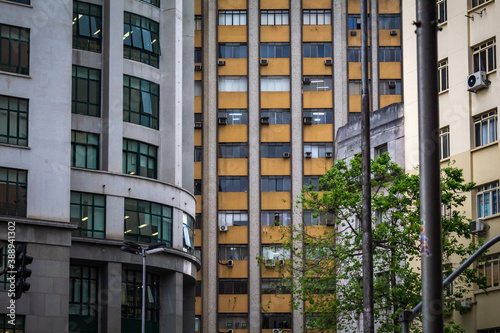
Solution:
(487, 199)
(5, 327)
(13, 120)
(86, 91)
(198, 154)
(319, 116)
(390, 87)
(153, 2)
(486, 128)
(275, 252)
(442, 11)
(476, 3)
(87, 25)
(315, 218)
(148, 222)
(132, 301)
(444, 142)
(232, 150)
(15, 49)
(232, 50)
(198, 22)
(275, 184)
(269, 218)
(233, 321)
(443, 75)
(379, 150)
(317, 16)
(198, 55)
(485, 56)
(274, 17)
(198, 221)
(317, 50)
(198, 88)
(141, 102)
(188, 233)
(233, 252)
(233, 286)
(88, 211)
(354, 54)
(389, 21)
(275, 83)
(276, 116)
(25, 2)
(84, 150)
(83, 298)
(139, 158)
(13, 192)
(232, 17)
(234, 116)
(233, 184)
(274, 149)
(277, 320)
(318, 83)
(390, 54)
(273, 286)
(275, 50)
(232, 83)
(490, 269)
(141, 39)
(233, 218)
(315, 150)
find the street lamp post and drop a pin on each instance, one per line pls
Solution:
(143, 250)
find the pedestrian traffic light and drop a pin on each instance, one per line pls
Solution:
(22, 273)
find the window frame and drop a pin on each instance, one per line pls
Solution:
(493, 261)
(143, 47)
(276, 183)
(326, 82)
(319, 116)
(85, 40)
(270, 218)
(146, 214)
(232, 50)
(489, 118)
(14, 120)
(233, 184)
(324, 15)
(276, 116)
(278, 50)
(478, 3)
(87, 145)
(147, 97)
(488, 199)
(84, 213)
(317, 50)
(239, 216)
(234, 116)
(443, 80)
(278, 148)
(442, 11)
(485, 52)
(151, 157)
(20, 187)
(89, 322)
(90, 78)
(444, 143)
(282, 14)
(318, 149)
(17, 44)
(232, 17)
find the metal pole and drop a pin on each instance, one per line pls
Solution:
(368, 319)
(143, 324)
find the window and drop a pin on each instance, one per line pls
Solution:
(274, 17)
(198, 154)
(4, 261)
(13, 188)
(25, 2)
(389, 21)
(274, 150)
(233, 184)
(318, 83)
(276, 116)
(317, 16)
(233, 218)
(198, 55)
(443, 75)
(198, 88)
(232, 150)
(476, 3)
(273, 286)
(139, 158)
(275, 83)
(13, 120)
(442, 11)
(312, 181)
(390, 54)
(87, 26)
(141, 101)
(132, 301)
(315, 218)
(317, 50)
(198, 221)
(5, 327)
(390, 87)
(233, 252)
(319, 116)
(233, 321)
(232, 83)
(487, 199)
(232, 17)
(141, 39)
(486, 128)
(84, 150)
(353, 22)
(275, 50)
(198, 23)
(197, 187)
(15, 45)
(485, 56)
(234, 116)
(379, 150)
(275, 183)
(491, 330)
(83, 296)
(490, 269)
(86, 91)
(148, 222)
(233, 286)
(316, 150)
(354, 54)
(188, 233)
(232, 50)
(275, 218)
(444, 142)
(276, 320)
(275, 252)
(153, 2)
(89, 212)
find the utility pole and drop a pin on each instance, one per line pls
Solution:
(368, 319)
(430, 192)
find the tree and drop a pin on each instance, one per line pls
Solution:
(327, 268)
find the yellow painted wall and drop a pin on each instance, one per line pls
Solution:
(276, 303)
(197, 7)
(389, 99)
(233, 166)
(239, 270)
(270, 272)
(197, 104)
(317, 33)
(198, 203)
(483, 161)
(232, 4)
(274, 166)
(197, 306)
(197, 170)
(233, 133)
(233, 200)
(316, 4)
(318, 133)
(233, 100)
(354, 40)
(233, 303)
(197, 74)
(385, 38)
(275, 99)
(275, 200)
(232, 33)
(197, 137)
(234, 67)
(355, 71)
(274, 4)
(355, 103)
(389, 6)
(197, 237)
(273, 234)
(317, 230)
(274, 33)
(317, 166)
(318, 99)
(316, 66)
(234, 235)
(197, 38)
(276, 66)
(198, 275)
(390, 70)
(353, 7)
(275, 133)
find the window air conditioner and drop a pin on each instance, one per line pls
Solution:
(476, 226)
(230, 263)
(394, 33)
(328, 154)
(328, 62)
(308, 120)
(282, 262)
(308, 154)
(354, 32)
(221, 63)
(264, 62)
(197, 67)
(477, 81)
(222, 121)
(270, 262)
(230, 330)
(392, 84)
(197, 124)
(264, 121)
(222, 228)
(277, 331)
(306, 80)
(286, 155)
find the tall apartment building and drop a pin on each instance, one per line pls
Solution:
(468, 109)
(96, 147)
(274, 80)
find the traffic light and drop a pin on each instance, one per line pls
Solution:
(22, 273)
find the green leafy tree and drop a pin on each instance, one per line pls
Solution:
(327, 267)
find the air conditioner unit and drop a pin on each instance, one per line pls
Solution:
(197, 124)
(264, 121)
(197, 67)
(308, 154)
(394, 33)
(465, 303)
(270, 263)
(230, 263)
(392, 84)
(307, 120)
(264, 62)
(476, 226)
(221, 63)
(286, 155)
(222, 228)
(354, 32)
(477, 81)
(222, 121)
(328, 62)
(277, 331)
(230, 330)
(306, 80)
(282, 262)
(328, 154)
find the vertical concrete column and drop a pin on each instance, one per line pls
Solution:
(115, 216)
(296, 128)
(188, 306)
(171, 303)
(340, 72)
(110, 302)
(112, 83)
(209, 185)
(374, 72)
(254, 297)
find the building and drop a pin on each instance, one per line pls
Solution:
(266, 117)
(96, 147)
(468, 132)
